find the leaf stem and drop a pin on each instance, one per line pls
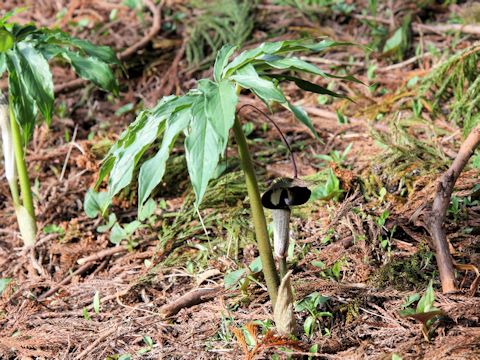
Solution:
(258, 216)
(25, 188)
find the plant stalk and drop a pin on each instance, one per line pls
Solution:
(258, 216)
(26, 191)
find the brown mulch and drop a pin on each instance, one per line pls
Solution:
(48, 310)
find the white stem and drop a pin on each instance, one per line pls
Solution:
(7, 142)
(281, 231)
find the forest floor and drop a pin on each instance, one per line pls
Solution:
(358, 258)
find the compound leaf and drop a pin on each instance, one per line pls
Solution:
(36, 76)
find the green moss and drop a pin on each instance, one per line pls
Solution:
(407, 273)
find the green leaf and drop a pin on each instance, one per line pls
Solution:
(53, 229)
(131, 227)
(123, 157)
(329, 190)
(249, 55)
(117, 234)
(395, 41)
(11, 13)
(307, 85)
(23, 104)
(213, 115)
(221, 61)
(407, 312)
(6, 40)
(296, 64)
(147, 210)
(309, 325)
(342, 119)
(425, 304)
(148, 340)
(233, 277)
(292, 63)
(275, 48)
(112, 219)
(96, 302)
(221, 100)
(96, 203)
(247, 77)
(318, 263)
(124, 109)
(141, 134)
(411, 299)
(36, 76)
(3, 64)
(152, 170)
(104, 53)
(256, 265)
(302, 116)
(20, 32)
(85, 314)
(4, 283)
(92, 69)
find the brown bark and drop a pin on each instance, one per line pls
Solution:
(440, 206)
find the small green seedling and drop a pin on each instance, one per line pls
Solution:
(24, 54)
(311, 304)
(53, 229)
(120, 233)
(125, 356)
(241, 276)
(328, 190)
(336, 157)
(425, 312)
(4, 284)
(149, 345)
(334, 272)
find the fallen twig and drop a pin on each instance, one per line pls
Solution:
(171, 78)
(441, 28)
(99, 339)
(101, 254)
(156, 25)
(189, 299)
(64, 282)
(439, 210)
(403, 63)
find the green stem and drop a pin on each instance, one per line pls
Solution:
(22, 172)
(258, 216)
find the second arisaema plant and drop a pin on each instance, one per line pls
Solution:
(205, 116)
(24, 54)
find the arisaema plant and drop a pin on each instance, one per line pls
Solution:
(24, 55)
(205, 116)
